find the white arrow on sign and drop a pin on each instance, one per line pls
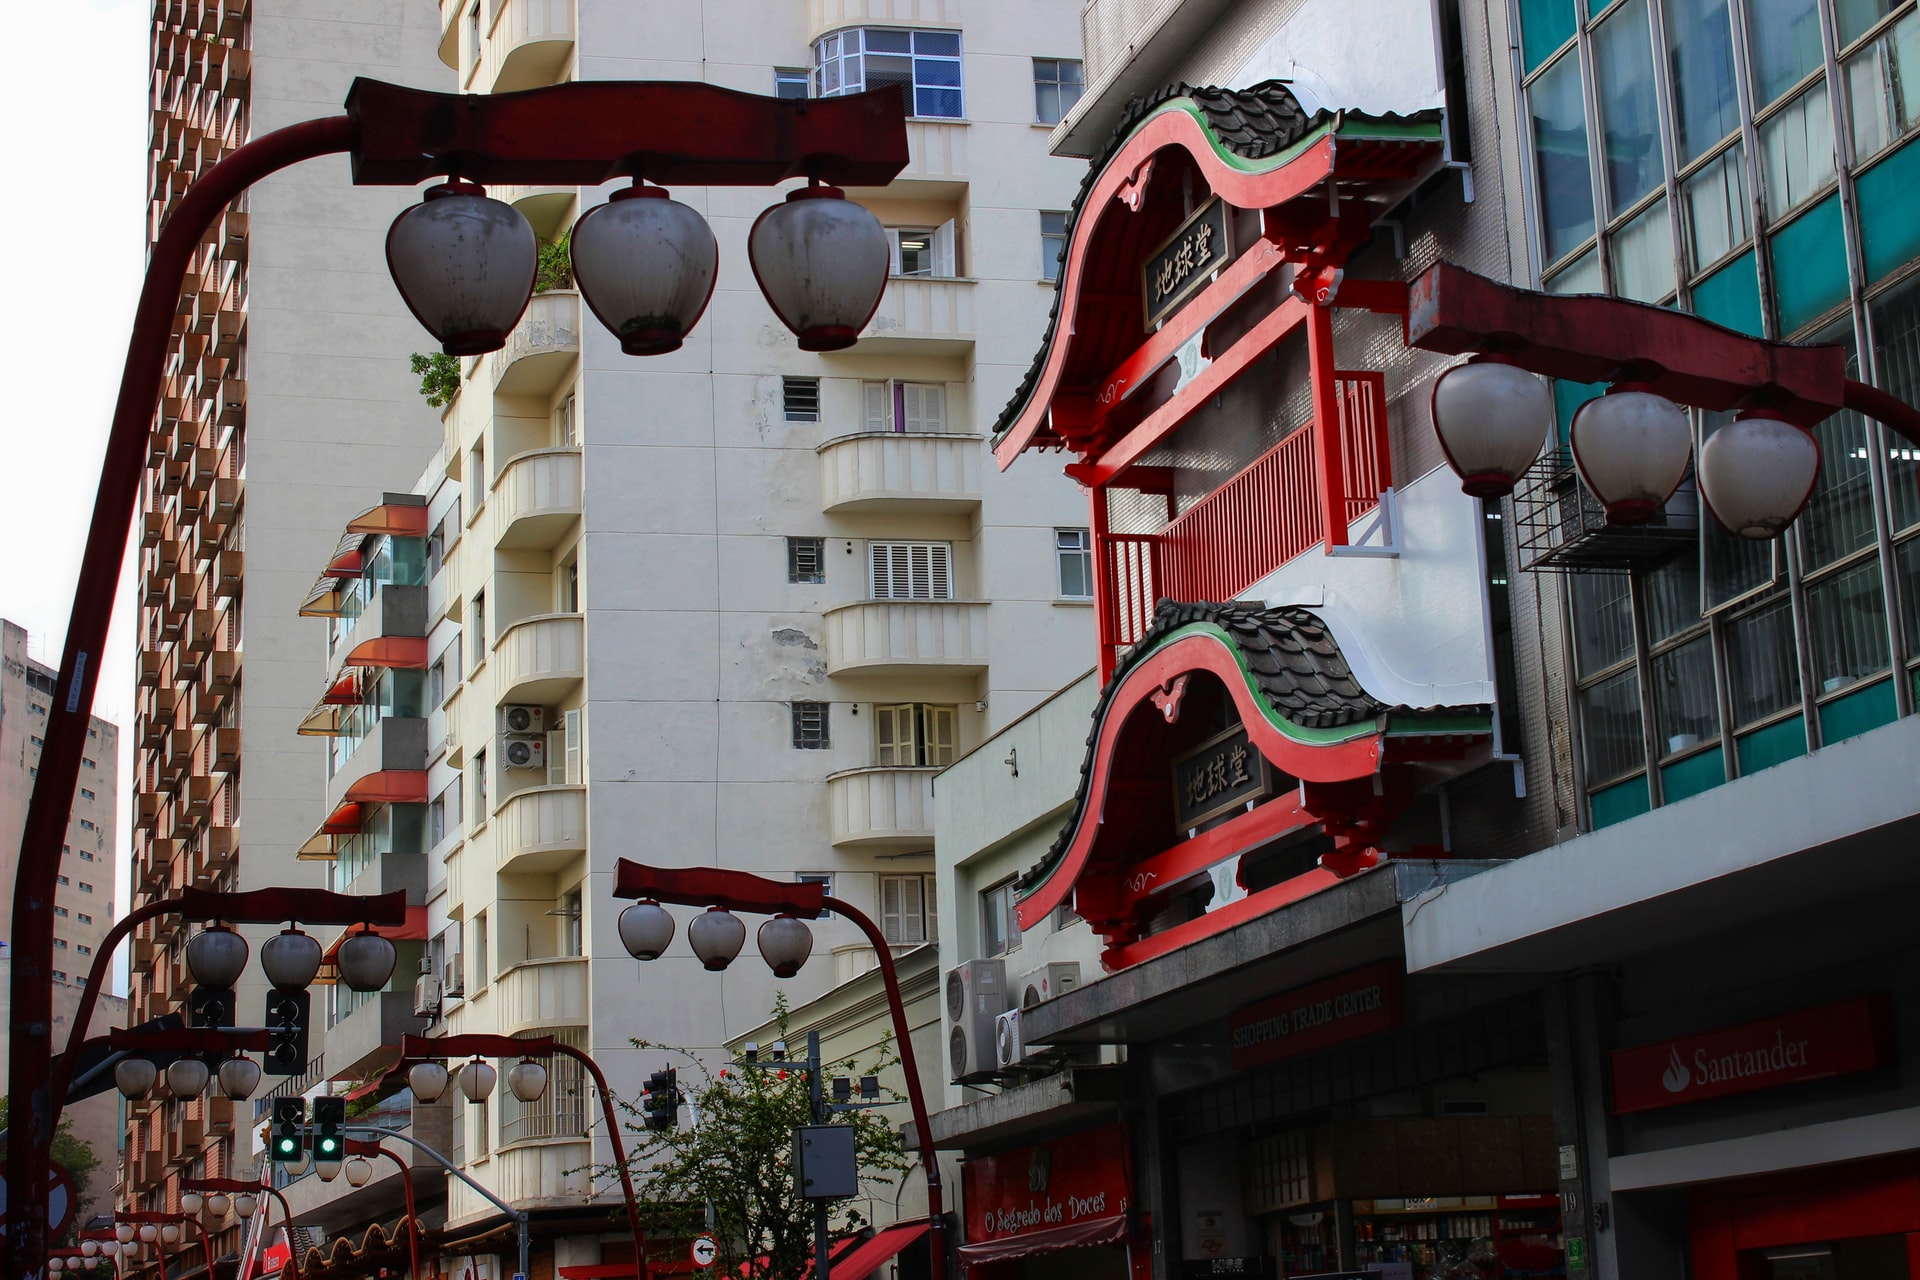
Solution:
(706, 1251)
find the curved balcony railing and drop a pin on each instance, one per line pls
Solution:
(542, 347)
(904, 471)
(535, 498)
(541, 829)
(905, 637)
(881, 808)
(542, 658)
(529, 43)
(929, 316)
(542, 994)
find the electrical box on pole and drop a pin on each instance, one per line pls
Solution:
(824, 1165)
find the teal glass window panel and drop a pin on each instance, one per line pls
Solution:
(1700, 58)
(1809, 257)
(1775, 744)
(1618, 803)
(1796, 145)
(1582, 275)
(1718, 216)
(1686, 709)
(1763, 665)
(1847, 623)
(1568, 397)
(1863, 709)
(1784, 41)
(1610, 727)
(1895, 318)
(1731, 296)
(1629, 115)
(1545, 25)
(1854, 18)
(1602, 620)
(1562, 159)
(1889, 212)
(1671, 594)
(1643, 256)
(1691, 776)
(1906, 559)
(1883, 87)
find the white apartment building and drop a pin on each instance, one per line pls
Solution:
(731, 606)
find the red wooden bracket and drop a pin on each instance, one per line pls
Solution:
(187, 1040)
(477, 1044)
(305, 906)
(718, 887)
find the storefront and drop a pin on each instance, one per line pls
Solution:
(1057, 1210)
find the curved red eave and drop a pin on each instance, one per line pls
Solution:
(409, 653)
(395, 519)
(391, 786)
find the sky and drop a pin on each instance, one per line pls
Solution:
(76, 141)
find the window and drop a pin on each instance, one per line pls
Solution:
(478, 973)
(437, 820)
(925, 64)
(999, 927)
(1053, 244)
(437, 682)
(473, 32)
(61, 912)
(791, 82)
(569, 913)
(822, 878)
(1073, 549)
(479, 788)
(806, 559)
(926, 252)
(66, 848)
(88, 825)
(87, 795)
(914, 734)
(476, 479)
(84, 949)
(59, 976)
(1057, 85)
(904, 406)
(59, 944)
(811, 726)
(87, 761)
(910, 570)
(479, 615)
(86, 855)
(907, 911)
(62, 880)
(35, 741)
(567, 586)
(86, 919)
(566, 423)
(800, 399)
(85, 887)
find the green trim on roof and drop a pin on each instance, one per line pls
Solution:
(1273, 715)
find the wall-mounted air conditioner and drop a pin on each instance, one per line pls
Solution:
(976, 996)
(1048, 981)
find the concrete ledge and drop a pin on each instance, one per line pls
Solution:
(1855, 1138)
(1025, 1111)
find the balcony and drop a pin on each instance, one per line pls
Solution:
(536, 1175)
(388, 872)
(541, 829)
(354, 1043)
(907, 637)
(901, 471)
(542, 994)
(530, 43)
(882, 808)
(542, 658)
(397, 743)
(542, 347)
(395, 612)
(920, 317)
(535, 498)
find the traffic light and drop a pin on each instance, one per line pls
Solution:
(661, 1106)
(210, 1006)
(288, 1144)
(286, 1032)
(329, 1117)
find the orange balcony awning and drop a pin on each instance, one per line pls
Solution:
(406, 652)
(343, 821)
(320, 847)
(390, 786)
(395, 519)
(323, 601)
(344, 692)
(347, 564)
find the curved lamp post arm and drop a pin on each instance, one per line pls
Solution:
(518, 1215)
(60, 1072)
(372, 1147)
(286, 1226)
(619, 1154)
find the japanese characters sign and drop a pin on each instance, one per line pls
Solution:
(1176, 270)
(1216, 777)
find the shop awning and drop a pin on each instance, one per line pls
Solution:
(865, 1260)
(343, 821)
(390, 786)
(1028, 1244)
(323, 601)
(406, 652)
(323, 721)
(396, 519)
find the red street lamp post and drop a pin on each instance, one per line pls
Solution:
(153, 1227)
(717, 936)
(361, 1149)
(252, 1191)
(579, 134)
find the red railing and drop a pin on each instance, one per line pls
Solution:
(1267, 514)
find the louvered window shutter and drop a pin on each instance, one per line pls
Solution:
(932, 900)
(924, 405)
(940, 735)
(556, 757)
(878, 401)
(890, 909)
(576, 731)
(945, 259)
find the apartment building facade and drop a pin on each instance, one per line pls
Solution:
(287, 393)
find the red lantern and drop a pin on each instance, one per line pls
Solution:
(1632, 448)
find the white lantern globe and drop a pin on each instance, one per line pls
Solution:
(428, 1080)
(359, 1171)
(646, 264)
(464, 264)
(192, 1202)
(218, 1203)
(327, 1169)
(527, 1081)
(785, 943)
(89, 1248)
(1491, 418)
(821, 261)
(1631, 447)
(239, 1077)
(245, 1203)
(170, 1234)
(476, 1080)
(134, 1077)
(646, 929)
(149, 1233)
(123, 1232)
(716, 936)
(290, 959)
(56, 1263)
(187, 1077)
(1757, 473)
(366, 960)
(217, 956)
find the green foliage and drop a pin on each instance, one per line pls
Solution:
(738, 1160)
(439, 377)
(75, 1156)
(555, 269)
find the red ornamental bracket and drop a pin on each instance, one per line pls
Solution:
(718, 887)
(306, 906)
(187, 1040)
(475, 1045)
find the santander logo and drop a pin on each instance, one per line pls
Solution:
(1676, 1077)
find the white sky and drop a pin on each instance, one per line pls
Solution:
(72, 213)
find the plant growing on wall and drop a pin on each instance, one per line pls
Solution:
(555, 269)
(732, 1158)
(439, 377)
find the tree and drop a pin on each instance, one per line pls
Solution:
(71, 1154)
(737, 1157)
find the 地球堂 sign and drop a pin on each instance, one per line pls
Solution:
(1218, 776)
(1362, 1002)
(1176, 270)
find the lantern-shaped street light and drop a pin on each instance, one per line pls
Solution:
(245, 1203)
(1491, 417)
(1757, 474)
(1631, 447)
(192, 1202)
(646, 930)
(527, 1080)
(366, 960)
(187, 1078)
(476, 1079)
(134, 1077)
(716, 936)
(124, 1232)
(822, 262)
(359, 1171)
(218, 1203)
(290, 959)
(239, 1077)
(217, 956)
(464, 264)
(428, 1080)
(646, 265)
(785, 943)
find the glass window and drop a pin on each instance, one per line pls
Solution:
(907, 916)
(1610, 725)
(1545, 25)
(806, 560)
(1855, 17)
(1629, 116)
(1686, 712)
(1907, 555)
(999, 927)
(1889, 216)
(1560, 151)
(1718, 216)
(1839, 517)
(1896, 338)
(1762, 665)
(1796, 145)
(1671, 595)
(1809, 257)
(1602, 620)
(1785, 40)
(1057, 85)
(1883, 87)
(1642, 253)
(924, 64)
(1582, 275)
(1053, 244)
(800, 399)
(811, 726)
(915, 735)
(1731, 295)
(789, 82)
(1073, 548)
(1847, 620)
(1700, 59)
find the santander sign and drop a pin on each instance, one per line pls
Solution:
(1826, 1040)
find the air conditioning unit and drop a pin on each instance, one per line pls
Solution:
(453, 978)
(1048, 981)
(526, 751)
(976, 996)
(520, 718)
(426, 992)
(1008, 1049)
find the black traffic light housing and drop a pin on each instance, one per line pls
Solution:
(288, 1142)
(210, 1006)
(661, 1106)
(329, 1124)
(286, 1021)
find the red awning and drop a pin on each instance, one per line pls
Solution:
(391, 786)
(343, 821)
(406, 652)
(396, 519)
(414, 930)
(347, 564)
(867, 1259)
(324, 600)
(344, 692)
(1078, 1235)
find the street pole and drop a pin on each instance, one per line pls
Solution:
(817, 1114)
(519, 1216)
